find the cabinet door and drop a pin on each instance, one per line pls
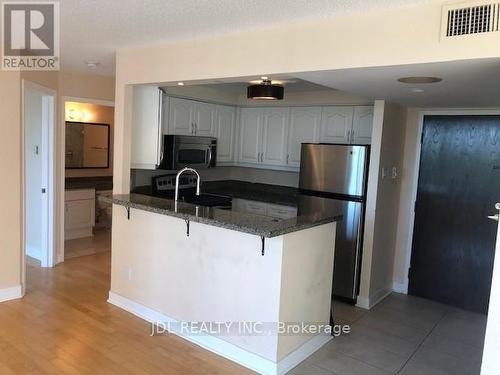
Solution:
(336, 124)
(79, 214)
(225, 125)
(181, 116)
(204, 119)
(304, 127)
(250, 135)
(275, 136)
(362, 125)
(146, 127)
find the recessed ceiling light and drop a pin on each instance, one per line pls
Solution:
(417, 90)
(414, 80)
(180, 83)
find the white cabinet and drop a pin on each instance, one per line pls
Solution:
(263, 135)
(275, 136)
(204, 119)
(181, 116)
(189, 117)
(265, 209)
(79, 213)
(362, 125)
(336, 124)
(347, 125)
(146, 127)
(304, 127)
(250, 135)
(225, 124)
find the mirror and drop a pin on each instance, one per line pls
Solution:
(87, 145)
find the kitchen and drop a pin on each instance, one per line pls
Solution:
(241, 184)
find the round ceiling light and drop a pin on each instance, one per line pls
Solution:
(265, 91)
(416, 80)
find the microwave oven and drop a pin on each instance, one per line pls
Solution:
(181, 151)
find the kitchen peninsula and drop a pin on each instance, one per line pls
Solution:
(179, 262)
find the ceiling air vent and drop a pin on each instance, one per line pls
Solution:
(471, 18)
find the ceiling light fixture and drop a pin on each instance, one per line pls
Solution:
(417, 90)
(417, 80)
(180, 83)
(265, 91)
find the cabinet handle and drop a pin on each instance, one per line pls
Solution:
(287, 158)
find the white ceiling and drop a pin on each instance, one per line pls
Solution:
(92, 30)
(465, 83)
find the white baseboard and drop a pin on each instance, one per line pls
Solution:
(8, 294)
(368, 303)
(400, 288)
(224, 348)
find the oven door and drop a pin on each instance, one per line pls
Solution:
(193, 155)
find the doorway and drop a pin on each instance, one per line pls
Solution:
(459, 183)
(38, 173)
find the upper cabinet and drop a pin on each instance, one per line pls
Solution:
(362, 125)
(250, 135)
(189, 117)
(347, 125)
(336, 124)
(180, 116)
(304, 127)
(146, 127)
(204, 119)
(263, 136)
(259, 136)
(275, 136)
(225, 125)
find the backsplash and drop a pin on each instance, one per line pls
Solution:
(141, 177)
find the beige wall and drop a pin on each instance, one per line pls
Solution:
(103, 115)
(382, 203)
(404, 232)
(10, 188)
(64, 83)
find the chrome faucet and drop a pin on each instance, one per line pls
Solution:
(198, 180)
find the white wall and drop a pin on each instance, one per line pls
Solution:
(33, 137)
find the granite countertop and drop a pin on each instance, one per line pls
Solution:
(266, 193)
(309, 215)
(97, 183)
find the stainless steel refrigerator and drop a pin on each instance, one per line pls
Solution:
(339, 173)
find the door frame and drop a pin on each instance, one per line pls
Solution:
(48, 173)
(416, 171)
(61, 160)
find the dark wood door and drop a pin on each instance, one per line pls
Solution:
(459, 184)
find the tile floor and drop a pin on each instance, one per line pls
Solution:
(402, 335)
(100, 242)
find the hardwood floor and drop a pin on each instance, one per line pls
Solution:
(65, 326)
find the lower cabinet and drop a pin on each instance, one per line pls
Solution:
(266, 209)
(79, 213)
